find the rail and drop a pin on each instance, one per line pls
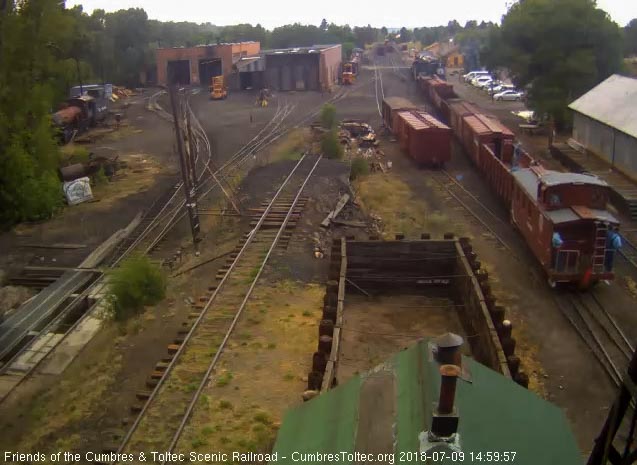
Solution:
(599, 331)
(188, 340)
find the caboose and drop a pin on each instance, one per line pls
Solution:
(564, 220)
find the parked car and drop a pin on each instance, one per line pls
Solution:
(474, 74)
(487, 84)
(509, 95)
(500, 88)
(481, 80)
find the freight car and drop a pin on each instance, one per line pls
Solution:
(562, 216)
(423, 138)
(350, 70)
(391, 106)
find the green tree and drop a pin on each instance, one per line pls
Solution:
(323, 26)
(630, 38)
(136, 283)
(558, 49)
(330, 145)
(328, 116)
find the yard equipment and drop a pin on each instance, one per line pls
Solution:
(348, 77)
(262, 99)
(218, 90)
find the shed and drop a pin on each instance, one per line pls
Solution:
(385, 411)
(605, 122)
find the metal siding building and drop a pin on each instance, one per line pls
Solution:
(605, 122)
(303, 68)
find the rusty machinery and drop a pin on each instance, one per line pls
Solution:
(218, 90)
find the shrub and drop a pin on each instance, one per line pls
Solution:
(136, 283)
(100, 178)
(328, 116)
(360, 167)
(330, 146)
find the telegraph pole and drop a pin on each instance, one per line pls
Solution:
(192, 152)
(191, 202)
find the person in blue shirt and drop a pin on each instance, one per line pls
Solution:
(556, 242)
(613, 244)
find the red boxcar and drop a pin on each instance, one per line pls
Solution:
(390, 107)
(457, 110)
(424, 138)
(573, 206)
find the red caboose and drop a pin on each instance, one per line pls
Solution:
(564, 220)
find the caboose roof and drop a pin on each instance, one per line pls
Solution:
(529, 180)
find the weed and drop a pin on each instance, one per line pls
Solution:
(192, 387)
(307, 313)
(360, 167)
(328, 116)
(262, 417)
(271, 345)
(100, 177)
(225, 404)
(197, 442)
(288, 376)
(207, 430)
(224, 379)
(331, 146)
(136, 283)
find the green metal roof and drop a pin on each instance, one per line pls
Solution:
(386, 409)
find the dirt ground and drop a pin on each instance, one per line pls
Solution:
(375, 329)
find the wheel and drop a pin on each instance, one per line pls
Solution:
(497, 99)
(517, 99)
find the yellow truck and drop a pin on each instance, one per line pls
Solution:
(218, 89)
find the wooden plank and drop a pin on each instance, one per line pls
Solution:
(336, 344)
(54, 246)
(328, 376)
(334, 213)
(351, 224)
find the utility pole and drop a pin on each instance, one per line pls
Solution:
(191, 202)
(192, 152)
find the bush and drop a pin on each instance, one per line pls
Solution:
(136, 283)
(360, 167)
(328, 116)
(330, 145)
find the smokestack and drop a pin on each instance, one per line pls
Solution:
(448, 377)
(448, 349)
(444, 420)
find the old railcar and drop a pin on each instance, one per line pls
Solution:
(458, 109)
(391, 106)
(424, 138)
(573, 206)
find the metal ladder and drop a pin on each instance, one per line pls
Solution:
(599, 251)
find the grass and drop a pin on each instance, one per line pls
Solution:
(225, 404)
(224, 379)
(291, 147)
(393, 201)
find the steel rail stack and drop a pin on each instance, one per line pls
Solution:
(164, 415)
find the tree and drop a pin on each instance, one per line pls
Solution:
(323, 26)
(405, 35)
(383, 31)
(328, 116)
(558, 49)
(630, 38)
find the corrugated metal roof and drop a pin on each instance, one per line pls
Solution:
(420, 120)
(612, 102)
(529, 180)
(495, 415)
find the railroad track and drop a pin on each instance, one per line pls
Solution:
(470, 203)
(170, 404)
(629, 251)
(378, 88)
(599, 331)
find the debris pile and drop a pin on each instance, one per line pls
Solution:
(359, 140)
(121, 92)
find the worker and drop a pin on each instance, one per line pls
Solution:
(613, 244)
(557, 242)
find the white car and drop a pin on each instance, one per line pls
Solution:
(474, 74)
(477, 82)
(509, 95)
(500, 88)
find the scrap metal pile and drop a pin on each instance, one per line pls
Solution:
(359, 140)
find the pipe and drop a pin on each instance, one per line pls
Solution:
(449, 376)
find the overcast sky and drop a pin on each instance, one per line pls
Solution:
(272, 13)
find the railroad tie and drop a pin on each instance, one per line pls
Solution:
(143, 395)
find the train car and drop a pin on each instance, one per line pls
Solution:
(424, 66)
(424, 138)
(541, 203)
(572, 206)
(350, 70)
(390, 107)
(77, 115)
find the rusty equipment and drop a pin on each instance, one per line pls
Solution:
(262, 99)
(348, 77)
(218, 90)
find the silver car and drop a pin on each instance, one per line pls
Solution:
(509, 95)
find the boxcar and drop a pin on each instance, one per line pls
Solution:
(457, 110)
(574, 206)
(391, 106)
(424, 138)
